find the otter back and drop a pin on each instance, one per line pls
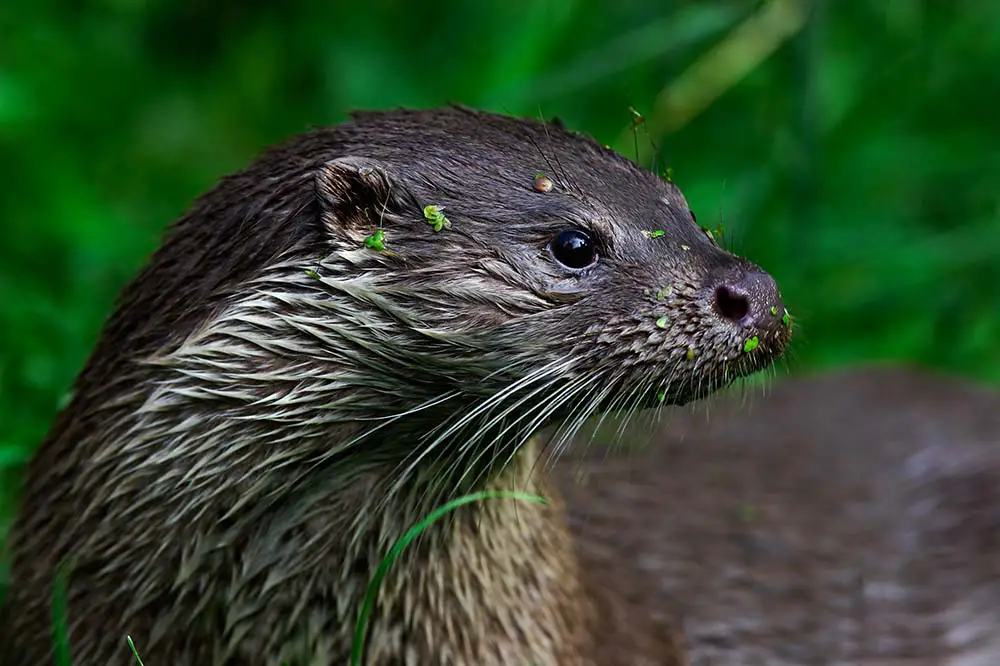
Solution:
(846, 519)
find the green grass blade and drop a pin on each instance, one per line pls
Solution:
(60, 629)
(364, 615)
(135, 652)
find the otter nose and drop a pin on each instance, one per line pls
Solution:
(750, 301)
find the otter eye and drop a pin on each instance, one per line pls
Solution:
(573, 249)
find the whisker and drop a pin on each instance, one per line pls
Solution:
(544, 410)
(451, 427)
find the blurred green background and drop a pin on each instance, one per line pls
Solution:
(851, 148)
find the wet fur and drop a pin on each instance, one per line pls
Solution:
(272, 404)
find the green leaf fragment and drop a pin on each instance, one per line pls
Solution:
(376, 241)
(313, 274)
(662, 293)
(691, 353)
(661, 396)
(751, 344)
(661, 322)
(657, 233)
(436, 218)
(774, 311)
(786, 320)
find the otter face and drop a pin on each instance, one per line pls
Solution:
(546, 260)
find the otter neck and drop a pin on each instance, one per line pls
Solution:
(493, 581)
(500, 563)
(496, 579)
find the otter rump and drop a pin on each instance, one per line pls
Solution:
(371, 320)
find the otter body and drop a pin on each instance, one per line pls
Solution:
(369, 321)
(851, 519)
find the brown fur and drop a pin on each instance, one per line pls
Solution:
(851, 519)
(272, 405)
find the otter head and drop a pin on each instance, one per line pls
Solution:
(413, 281)
(493, 275)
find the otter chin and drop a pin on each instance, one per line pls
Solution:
(368, 321)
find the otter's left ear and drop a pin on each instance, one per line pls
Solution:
(356, 194)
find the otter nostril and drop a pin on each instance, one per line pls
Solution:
(732, 305)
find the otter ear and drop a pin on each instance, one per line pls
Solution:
(356, 194)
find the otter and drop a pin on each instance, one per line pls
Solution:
(369, 321)
(850, 517)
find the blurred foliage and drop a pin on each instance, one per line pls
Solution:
(849, 148)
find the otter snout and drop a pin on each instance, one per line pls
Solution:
(751, 301)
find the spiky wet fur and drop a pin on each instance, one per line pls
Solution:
(273, 405)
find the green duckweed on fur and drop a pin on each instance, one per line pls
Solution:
(661, 322)
(436, 218)
(376, 240)
(751, 344)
